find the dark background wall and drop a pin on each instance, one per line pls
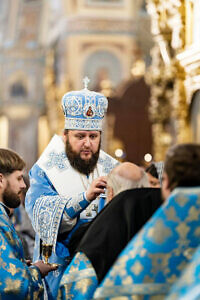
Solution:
(132, 124)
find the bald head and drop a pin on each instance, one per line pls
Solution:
(129, 171)
(125, 176)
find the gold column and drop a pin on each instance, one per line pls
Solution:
(169, 105)
(53, 96)
(189, 19)
(181, 108)
(161, 81)
(43, 134)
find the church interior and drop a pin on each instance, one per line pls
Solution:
(144, 56)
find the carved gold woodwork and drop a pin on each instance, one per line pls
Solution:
(189, 12)
(190, 62)
(172, 26)
(160, 79)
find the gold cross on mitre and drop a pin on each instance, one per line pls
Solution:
(86, 80)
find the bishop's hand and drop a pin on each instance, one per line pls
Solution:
(96, 188)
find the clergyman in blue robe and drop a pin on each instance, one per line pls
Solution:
(72, 165)
(18, 281)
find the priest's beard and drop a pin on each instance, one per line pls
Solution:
(83, 166)
(11, 199)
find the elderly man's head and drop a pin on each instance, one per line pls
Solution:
(124, 177)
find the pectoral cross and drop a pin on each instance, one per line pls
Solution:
(86, 80)
(95, 208)
(90, 208)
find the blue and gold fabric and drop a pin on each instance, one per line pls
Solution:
(79, 280)
(18, 281)
(156, 256)
(187, 287)
(56, 203)
(85, 109)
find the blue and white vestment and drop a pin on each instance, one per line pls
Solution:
(79, 280)
(187, 286)
(18, 281)
(56, 202)
(156, 256)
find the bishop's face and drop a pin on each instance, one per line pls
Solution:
(14, 185)
(85, 143)
(82, 149)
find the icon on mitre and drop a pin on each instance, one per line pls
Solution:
(89, 112)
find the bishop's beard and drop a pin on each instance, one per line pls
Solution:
(83, 166)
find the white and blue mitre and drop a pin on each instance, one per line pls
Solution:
(187, 286)
(84, 110)
(79, 280)
(156, 256)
